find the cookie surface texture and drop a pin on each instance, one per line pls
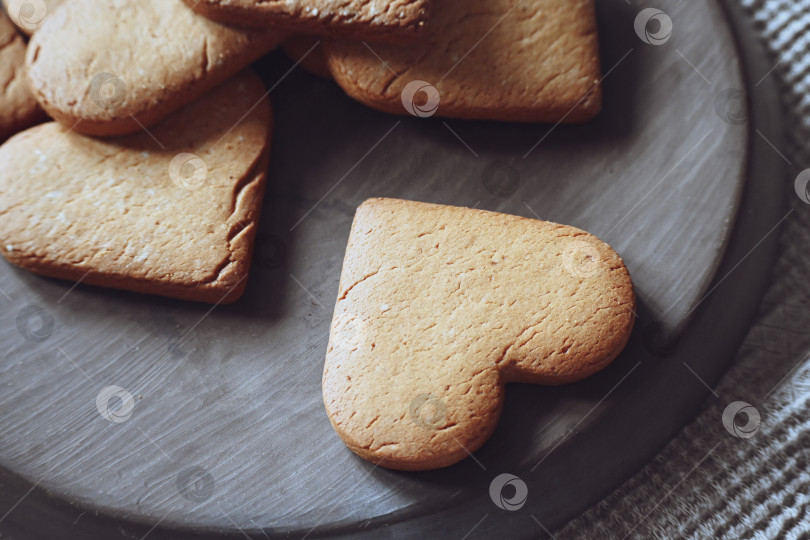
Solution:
(505, 60)
(125, 213)
(376, 20)
(18, 108)
(439, 307)
(142, 60)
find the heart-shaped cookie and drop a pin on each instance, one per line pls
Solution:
(172, 213)
(112, 67)
(439, 307)
(509, 60)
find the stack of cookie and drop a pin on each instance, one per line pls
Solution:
(152, 177)
(152, 174)
(135, 68)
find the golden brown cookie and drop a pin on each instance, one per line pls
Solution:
(18, 108)
(375, 20)
(109, 68)
(439, 307)
(176, 220)
(509, 60)
(307, 51)
(29, 15)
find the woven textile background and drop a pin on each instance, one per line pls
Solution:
(707, 483)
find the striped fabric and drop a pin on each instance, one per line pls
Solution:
(707, 483)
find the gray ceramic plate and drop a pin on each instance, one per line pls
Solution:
(227, 434)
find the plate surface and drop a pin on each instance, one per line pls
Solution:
(228, 430)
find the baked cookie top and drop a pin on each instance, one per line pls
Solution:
(18, 108)
(439, 307)
(111, 67)
(173, 212)
(509, 60)
(377, 20)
